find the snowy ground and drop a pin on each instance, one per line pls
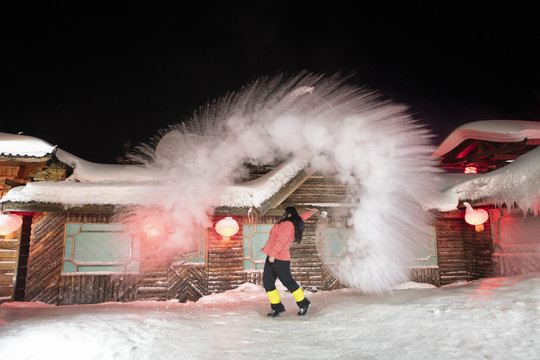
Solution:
(497, 318)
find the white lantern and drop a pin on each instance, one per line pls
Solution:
(9, 223)
(227, 227)
(475, 217)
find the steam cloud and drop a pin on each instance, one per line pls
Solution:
(372, 146)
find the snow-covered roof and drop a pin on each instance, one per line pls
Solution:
(24, 146)
(117, 184)
(103, 184)
(86, 171)
(517, 182)
(255, 192)
(490, 130)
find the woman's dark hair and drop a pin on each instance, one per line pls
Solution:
(296, 220)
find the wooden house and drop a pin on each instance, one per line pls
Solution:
(76, 255)
(22, 159)
(79, 254)
(496, 164)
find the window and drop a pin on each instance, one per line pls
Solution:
(197, 256)
(104, 248)
(334, 243)
(427, 255)
(255, 236)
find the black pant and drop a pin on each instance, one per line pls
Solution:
(278, 269)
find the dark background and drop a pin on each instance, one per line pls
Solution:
(98, 81)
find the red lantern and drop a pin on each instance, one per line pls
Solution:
(9, 223)
(154, 226)
(475, 217)
(227, 227)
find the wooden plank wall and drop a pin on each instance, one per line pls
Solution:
(24, 251)
(187, 282)
(18, 172)
(9, 250)
(479, 252)
(306, 264)
(44, 281)
(94, 289)
(317, 189)
(307, 267)
(45, 258)
(225, 259)
(158, 280)
(463, 253)
(428, 275)
(154, 264)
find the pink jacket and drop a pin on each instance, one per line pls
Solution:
(281, 237)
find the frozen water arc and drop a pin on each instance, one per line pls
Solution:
(373, 146)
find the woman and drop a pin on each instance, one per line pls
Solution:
(278, 261)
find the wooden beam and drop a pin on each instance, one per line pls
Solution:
(533, 141)
(10, 183)
(53, 207)
(284, 192)
(26, 159)
(506, 148)
(226, 210)
(450, 156)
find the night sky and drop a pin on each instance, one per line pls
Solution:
(97, 81)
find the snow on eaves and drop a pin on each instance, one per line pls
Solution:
(255, 192)
(517, 182)
(102, 184)
(86, 171)
(24, 146)
(73, 194)
(490, 130)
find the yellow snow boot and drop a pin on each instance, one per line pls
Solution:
(275, 303)
(301, 301)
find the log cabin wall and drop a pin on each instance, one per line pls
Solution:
(464, 254)
(306, 263)
(187, 282)
(225, 259)
(9, 250)
(46, 284)
(93, 289)
(14, 173)
(307, 267)
(318, 189)
(24, 252)
(157, 279)
(45, 258)
(427, 275)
